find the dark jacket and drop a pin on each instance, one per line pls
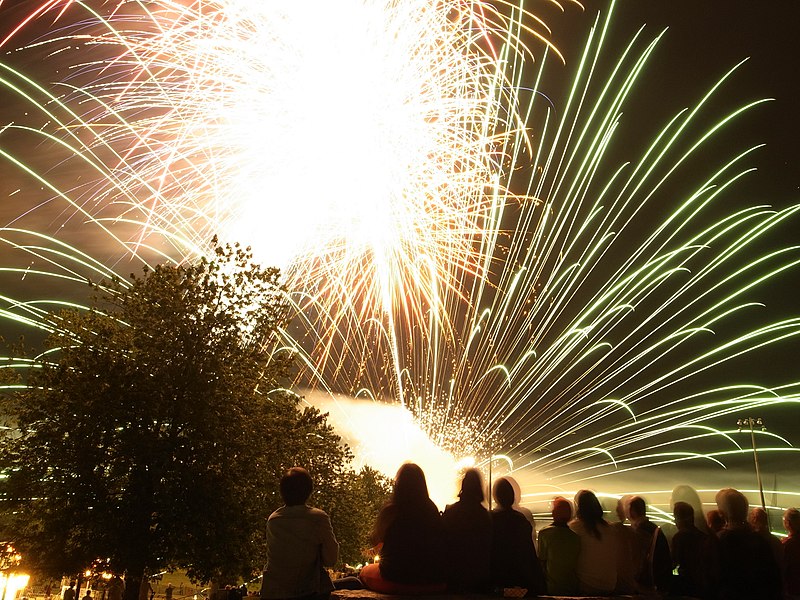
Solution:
(514, 560)
(468, 538)
(413, 544)
(656, 563)
(748, 570)
(694, 553)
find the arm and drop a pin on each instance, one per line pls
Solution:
(542, 554)
(385, 517)
(329, 547)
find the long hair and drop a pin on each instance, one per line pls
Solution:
(410, 487)
(410, 494)
(589, 512)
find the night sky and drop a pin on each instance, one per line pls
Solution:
(705, 39)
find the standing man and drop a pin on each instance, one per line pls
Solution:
(300, 544)
(69, 593)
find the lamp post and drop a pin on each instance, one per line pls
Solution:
(492, 458)
(752, 424)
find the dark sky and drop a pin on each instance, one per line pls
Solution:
(704, 39)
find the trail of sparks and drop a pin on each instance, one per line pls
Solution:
(452, 242)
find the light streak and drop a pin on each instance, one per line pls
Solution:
(453, 243)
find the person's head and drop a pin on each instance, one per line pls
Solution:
(759, 520)
(562, 510)
(589, 510)
(684, 515)
(687, 494)
(410, 486)
(791, 521)
(587, 506)
(637, 508)
(472, 486)
(733, 505)
(715, 520)
(622, 508)
(503, 493)
(296, 486)
(516, 488)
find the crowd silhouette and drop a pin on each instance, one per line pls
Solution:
(728, 554)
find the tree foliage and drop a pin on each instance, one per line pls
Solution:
(353, 503)
(156, 428)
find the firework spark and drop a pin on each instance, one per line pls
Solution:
(453, 243)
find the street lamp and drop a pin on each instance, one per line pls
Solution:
(491, 460)
(752, 424)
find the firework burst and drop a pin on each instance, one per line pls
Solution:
(453, 242)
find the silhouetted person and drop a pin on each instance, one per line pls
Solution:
(514, 560)
(409, 530)
(300, 544)
(694, 554)
(559, 548)
(759, 521)
(526, 512)
(687, 494)
(627, 564)
(69, 593)
(748, 570)
(715, 521)
(597, 562)
(791, 554)
(115, 588)
(468, 537)
(655, 564)
(145, 589)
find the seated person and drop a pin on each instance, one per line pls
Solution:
(409, 531)
(597, 561)
(655, 563)
(300, 543)
(559, 548)
(627, 550)
(514, 561)
(468, 537)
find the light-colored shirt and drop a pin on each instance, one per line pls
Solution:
(597, 561)
(300, 542)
